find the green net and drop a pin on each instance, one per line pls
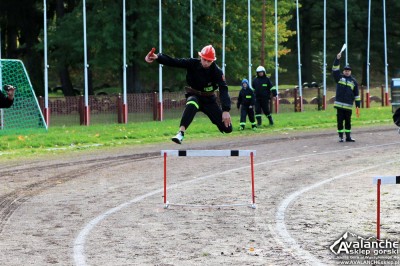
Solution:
(25, 113)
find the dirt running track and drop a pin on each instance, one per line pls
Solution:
(106, 207)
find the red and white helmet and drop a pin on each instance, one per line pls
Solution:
(208, 53)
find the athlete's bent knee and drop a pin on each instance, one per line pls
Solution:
(193, 101)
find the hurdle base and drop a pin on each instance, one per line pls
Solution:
(211, 206)
(166, 205)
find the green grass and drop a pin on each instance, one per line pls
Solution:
(61, 139)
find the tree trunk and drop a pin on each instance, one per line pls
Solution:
(66, 83)
(263, 36)
(33, 59)
(60, 8)
(305, 41)
(133, 84)
(63, 71)
(11, 43)
(90, 82)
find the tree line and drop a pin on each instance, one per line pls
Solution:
(21, 24)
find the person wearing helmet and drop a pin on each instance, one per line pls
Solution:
(263, 89)
(346, 93)
(246, 100)
(203, 77)
(7, 96)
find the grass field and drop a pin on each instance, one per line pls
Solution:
(59, 139)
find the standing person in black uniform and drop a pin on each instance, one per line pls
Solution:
(346, 93)
(7, 97)
(246, 99)
(263, 89)
(203, 77)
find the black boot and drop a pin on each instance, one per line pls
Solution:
(271, 121)
(341, 137)
(258, 120)
(348, 137)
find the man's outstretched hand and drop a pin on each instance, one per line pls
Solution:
(226, 118)
(151, 56)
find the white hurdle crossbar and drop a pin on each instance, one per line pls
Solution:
(210, 153)
(382, 180)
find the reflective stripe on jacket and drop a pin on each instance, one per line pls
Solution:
(346, 89)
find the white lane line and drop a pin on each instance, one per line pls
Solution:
(290, 242)
(79, 243)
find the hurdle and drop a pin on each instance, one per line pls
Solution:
(382, 180)
(210, 153)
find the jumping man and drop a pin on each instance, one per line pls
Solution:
(203, 77)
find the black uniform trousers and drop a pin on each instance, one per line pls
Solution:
(206, 104)
(262, 103)
(343, 115)
(246, 111)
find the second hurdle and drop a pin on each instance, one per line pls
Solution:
(210, 153)
(382, 180)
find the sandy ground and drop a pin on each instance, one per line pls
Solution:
(106, 207)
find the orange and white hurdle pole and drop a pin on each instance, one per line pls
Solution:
(382, 180)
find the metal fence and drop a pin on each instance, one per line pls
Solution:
(143, 106)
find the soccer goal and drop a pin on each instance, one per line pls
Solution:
(25, 113)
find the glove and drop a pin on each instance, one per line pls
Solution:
(150, 56)
(8, 91)
(358, 104)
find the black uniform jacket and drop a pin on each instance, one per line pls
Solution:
(263, 87)
(4, 101)
(246, 97)
(200, 78)
(346, 89)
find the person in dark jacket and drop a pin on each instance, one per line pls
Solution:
(396, 118)
(7, 97)
(246, 100)
(203, 77)
(346, 94)
(263, 89)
